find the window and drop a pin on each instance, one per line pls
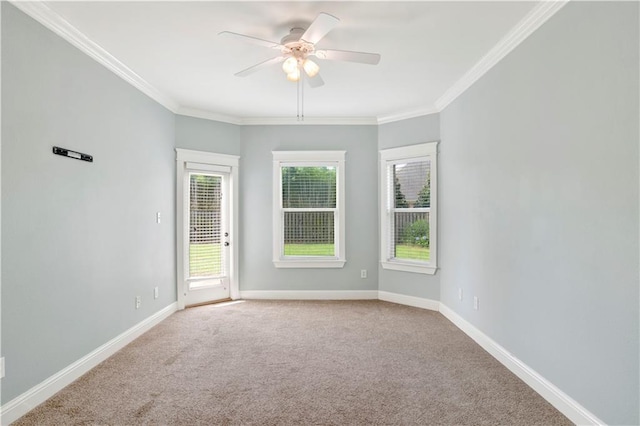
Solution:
(408, 208)
(205, 226)
(308, 217)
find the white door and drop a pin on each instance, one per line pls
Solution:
(206, 235)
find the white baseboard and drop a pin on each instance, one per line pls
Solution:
(560, 400)
(417, 302)
(310, 294)
(22, 404)
(38, 394)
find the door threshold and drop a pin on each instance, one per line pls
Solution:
(211, 302)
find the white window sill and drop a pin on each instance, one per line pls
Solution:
(296, 263)
(409, 267)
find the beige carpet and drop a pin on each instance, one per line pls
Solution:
(294, 362)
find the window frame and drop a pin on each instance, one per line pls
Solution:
(310, 159)
(389, 157)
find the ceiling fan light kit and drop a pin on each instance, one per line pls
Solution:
(290, 65)
(311, 68)
(294, 75)
(295, 49)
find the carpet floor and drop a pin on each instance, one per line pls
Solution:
(299, 362)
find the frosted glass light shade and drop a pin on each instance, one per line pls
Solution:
(294, 76)
(310, 67)
(290, 65)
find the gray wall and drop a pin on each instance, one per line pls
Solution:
(79, 240)
(257, 271)
(539, 206)
(206, 135)
(392, 135)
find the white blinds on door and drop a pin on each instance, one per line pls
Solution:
(205, 226)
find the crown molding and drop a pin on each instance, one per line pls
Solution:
(39, 11)
(531, 22)
(208, 115)
(276, 121)
(407, 114)
(334, 121)
(42, 13)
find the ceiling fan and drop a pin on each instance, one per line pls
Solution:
(300, 44)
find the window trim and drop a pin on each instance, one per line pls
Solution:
(308, 158)
(393, 156)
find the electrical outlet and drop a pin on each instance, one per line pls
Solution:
(1, 367)
(476, 303)
(158, 217)
(138, 302)
(460, 294)
(155, 292)
(363, 273)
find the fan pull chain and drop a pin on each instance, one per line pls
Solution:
(298, 99)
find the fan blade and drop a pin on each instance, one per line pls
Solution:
(250, 39)
(345, 55)
(315, 81)
(319, 28)
(259, 66)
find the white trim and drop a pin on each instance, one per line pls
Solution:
(42, 13)
(208, 115)
(309, 263)
(35, 396)
(310, 294)
(183, 157)
(531, 22)
(417, 302)
(39, 11)
(560, 400)
(390, 118)
(207, 167)
(409, 151)
(22, 404)
(188, 155)
(308, 158)
(418, 152)
(328, 121)
(408, 267)
(277, 121)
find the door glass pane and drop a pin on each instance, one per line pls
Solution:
(205, 243)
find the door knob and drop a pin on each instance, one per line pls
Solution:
(226, 243)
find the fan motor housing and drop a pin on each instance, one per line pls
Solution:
(293, 36)
(296, 47)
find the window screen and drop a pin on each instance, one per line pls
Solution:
(410, 186)
(309, 209)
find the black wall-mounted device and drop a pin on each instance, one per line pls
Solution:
(72, 154)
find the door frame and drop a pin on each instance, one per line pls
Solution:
(184, 156)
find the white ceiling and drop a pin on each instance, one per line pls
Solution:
(173, 47)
